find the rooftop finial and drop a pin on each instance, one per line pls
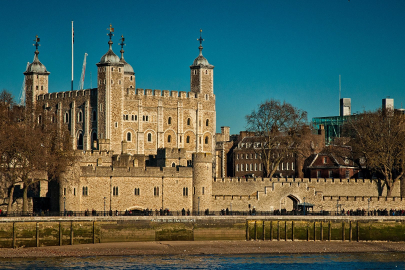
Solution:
(122, 44)
(201, 40)
(111, 29)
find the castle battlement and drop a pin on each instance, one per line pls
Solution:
(63, 95)
(141, 93)
(103, 171)
(294, 180)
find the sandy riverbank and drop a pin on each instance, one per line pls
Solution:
(201, 247)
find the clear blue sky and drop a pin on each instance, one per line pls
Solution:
(292, 50)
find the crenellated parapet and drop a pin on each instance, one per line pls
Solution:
(67, 94)
(136, 172)
(142, 93)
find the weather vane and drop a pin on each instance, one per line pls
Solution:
(36, 42)
(111, 29)
(122, 44)
(200, 39)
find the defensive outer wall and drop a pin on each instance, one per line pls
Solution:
(41, 231)
(265, 194)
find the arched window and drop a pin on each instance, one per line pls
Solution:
(169, 138)
(169, 121)
(80, 141)
(94, 137)
(206, 139)
(129, 136)
(67, 117)
(94, 116)
(188, 139)
(173, 164)
(207, 122)
(79, 117)
(39, 119)
(149, 137)
(188, 121)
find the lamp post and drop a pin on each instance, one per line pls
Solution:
(304, 206)
(64, 205)
(104, 205)
(198, 213)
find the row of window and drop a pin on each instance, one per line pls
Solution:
(79, 117)
(247, 156)
(137, 191)
(169, 138)
(249, 167)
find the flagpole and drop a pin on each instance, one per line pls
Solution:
(72, 53)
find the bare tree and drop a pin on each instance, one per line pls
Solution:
(30, 151)
(377, 141)
(280, 127)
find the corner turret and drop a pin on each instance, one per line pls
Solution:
(202, 74)
(36, 79)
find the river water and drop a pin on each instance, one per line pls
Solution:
(264, 261)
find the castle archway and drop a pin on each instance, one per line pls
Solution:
(289, 202)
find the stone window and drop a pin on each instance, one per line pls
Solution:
(115, 191)
(149, 137)
(36, 87)
(64, 191)
(133, 117)
(206, 96)
(180, 138)
(137, 192)
(156, 191)
(130, 78)
(169, 121)
(200, 140)
(188, 121)
(123, 117)
(42, 87)
(74, 191)
(126, 117)
(39, 119)
(203, 190)
(129, 136)
(173, 165)
(79, 117)
(85, 191)
(185, 191)
(66, 117)
(206, 139)
(169, 138)
(116, 124)
(207, 122)
(112, 69)
(188, 139)
(119, 69)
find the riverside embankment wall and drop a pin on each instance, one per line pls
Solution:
(25, 232)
